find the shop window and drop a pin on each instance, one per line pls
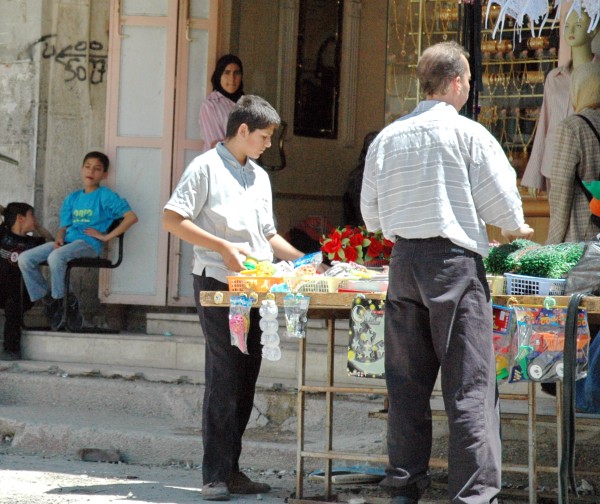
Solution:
(318, 68)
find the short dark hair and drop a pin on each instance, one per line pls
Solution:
(438, 65)
(100, 156)
(254, 111)
(9, 215)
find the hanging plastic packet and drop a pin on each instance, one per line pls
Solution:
(296, 309)
(269, 326)
(503, 330)
(308, 264)
(239, 321)
(538, 345)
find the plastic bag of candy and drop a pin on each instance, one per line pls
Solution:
(239, 321)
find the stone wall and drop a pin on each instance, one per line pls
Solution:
(53, 58)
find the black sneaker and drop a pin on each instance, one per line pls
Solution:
(239, 483)
(74, 317)
(54, 312)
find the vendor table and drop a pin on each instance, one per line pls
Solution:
(337, 306)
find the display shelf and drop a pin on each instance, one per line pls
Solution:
(335, 306)
(514, 70)
(514, 67)
(488, 62)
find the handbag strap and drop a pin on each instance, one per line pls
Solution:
(567, 460)
(587, 193)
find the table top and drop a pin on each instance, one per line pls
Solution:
(329, 303)
(332, 300)
(322, 305)
(590, 303)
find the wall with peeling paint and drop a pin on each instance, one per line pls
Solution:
(20, 24)
(53, 58)
(53, 94)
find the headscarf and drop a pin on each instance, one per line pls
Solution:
(219, 69)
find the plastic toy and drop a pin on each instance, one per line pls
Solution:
(269, 326)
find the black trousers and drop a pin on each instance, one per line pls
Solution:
(230, 382)
(438, 316)
(11, 298)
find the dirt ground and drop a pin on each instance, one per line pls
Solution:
(27, 479)
(31, 479)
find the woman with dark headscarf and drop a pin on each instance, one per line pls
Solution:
(228, 87)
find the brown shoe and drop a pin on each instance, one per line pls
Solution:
(216, 491)
(239, 483)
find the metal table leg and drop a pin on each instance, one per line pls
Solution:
(532, 434)
(300, 414)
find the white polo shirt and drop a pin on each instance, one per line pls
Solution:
(228, 200)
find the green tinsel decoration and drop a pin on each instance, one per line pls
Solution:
(498, 262)
(532, 259)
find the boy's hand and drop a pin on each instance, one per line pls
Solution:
(59, 242)
(94, 233)
(234, 256)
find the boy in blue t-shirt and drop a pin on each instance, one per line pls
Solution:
(85, 217)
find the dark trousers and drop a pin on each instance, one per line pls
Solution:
(11, 298)
(230, 382)
(438, 316)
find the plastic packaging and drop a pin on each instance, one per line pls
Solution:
(538, 345)
(504, 327)
(239, 321)
(296, 309)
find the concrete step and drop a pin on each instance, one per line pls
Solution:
(153, 416)
(188, 325)
(185, 353)
(52, 410)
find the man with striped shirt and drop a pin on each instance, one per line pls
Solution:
(432, 180)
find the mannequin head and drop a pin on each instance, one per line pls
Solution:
(576, 30)
(585, 86)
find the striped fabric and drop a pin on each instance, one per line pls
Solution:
(214, 112)
(434, 173)
(576, 150)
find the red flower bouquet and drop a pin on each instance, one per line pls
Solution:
(356, 244)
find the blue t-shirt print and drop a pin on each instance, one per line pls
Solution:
(97, 209)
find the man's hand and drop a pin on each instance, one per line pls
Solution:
(525, 231)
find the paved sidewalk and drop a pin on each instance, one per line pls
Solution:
(31, 479)
(48, 414)
(28, 479)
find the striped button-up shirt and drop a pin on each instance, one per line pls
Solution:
(214, 113)
(435, 173)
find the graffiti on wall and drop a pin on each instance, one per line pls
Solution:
(82, 61)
